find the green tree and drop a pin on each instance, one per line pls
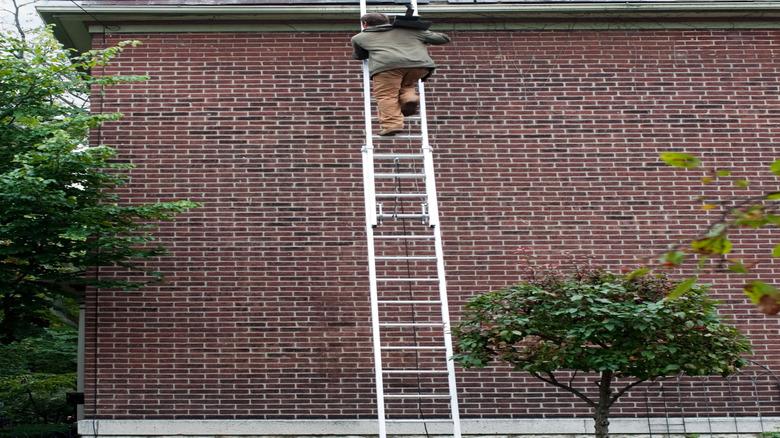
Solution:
(35, 374)
(59, 216)
(620, 327)
(734, 213)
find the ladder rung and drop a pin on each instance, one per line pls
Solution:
(419, 420)
(394, 156)
(414, 347)
(391, 371)
(402, 216)
(411, 324)
(400, 195)
(399, 175)
(405, 279)
(401, 236)
(409, 302)
(416, 396)
(406, 257)
(396, 137)
(416, 117)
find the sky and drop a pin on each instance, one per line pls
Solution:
(30, 18)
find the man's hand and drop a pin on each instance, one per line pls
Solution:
(359, 52)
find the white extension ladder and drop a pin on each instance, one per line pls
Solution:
(415, 374)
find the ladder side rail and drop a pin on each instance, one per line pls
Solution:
(430, 179)
(428, 170)
(433, 212)
(377, 344)
(433, 221)
(369, 189)
(448, 349)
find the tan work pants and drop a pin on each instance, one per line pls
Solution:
(392, 89)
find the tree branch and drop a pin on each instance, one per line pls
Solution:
(23, 99)
(573, 376)
(553, 381)
(18, 23)
(622, 391)
(38, 411)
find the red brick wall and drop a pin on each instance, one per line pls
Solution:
(546, 140)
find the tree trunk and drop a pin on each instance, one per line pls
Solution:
(601, 416)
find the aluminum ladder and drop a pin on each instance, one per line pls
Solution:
(414, 371)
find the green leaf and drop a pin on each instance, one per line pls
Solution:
(738, 267)
(636, 273)
(683, 287)
(719, 245)
(679, 159)
(672, 258)
(776, 251)
(757, 289)
(753, 217)
(716, 230)
(722, 173)
(775, 167)
(78, 234)
(774, 196)
(742, 183)
(670, 368)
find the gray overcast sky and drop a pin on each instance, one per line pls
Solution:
(29, 17)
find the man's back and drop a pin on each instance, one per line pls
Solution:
(392, 48)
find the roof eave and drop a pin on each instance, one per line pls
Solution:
(73, 23)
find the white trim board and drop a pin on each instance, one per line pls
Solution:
(704, 426)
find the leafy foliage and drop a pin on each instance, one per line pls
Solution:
(37, 431)
(741, 212)
(35, 374)
(52, 352)
(599, 321)
(595, 321)
(58, 213)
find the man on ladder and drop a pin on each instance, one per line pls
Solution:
(397, 59)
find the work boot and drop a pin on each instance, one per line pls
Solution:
(386, 132)
(410, 108)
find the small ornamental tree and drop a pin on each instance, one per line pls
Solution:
(619, 327)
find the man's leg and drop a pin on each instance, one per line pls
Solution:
(386, 87)
(408, 94)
